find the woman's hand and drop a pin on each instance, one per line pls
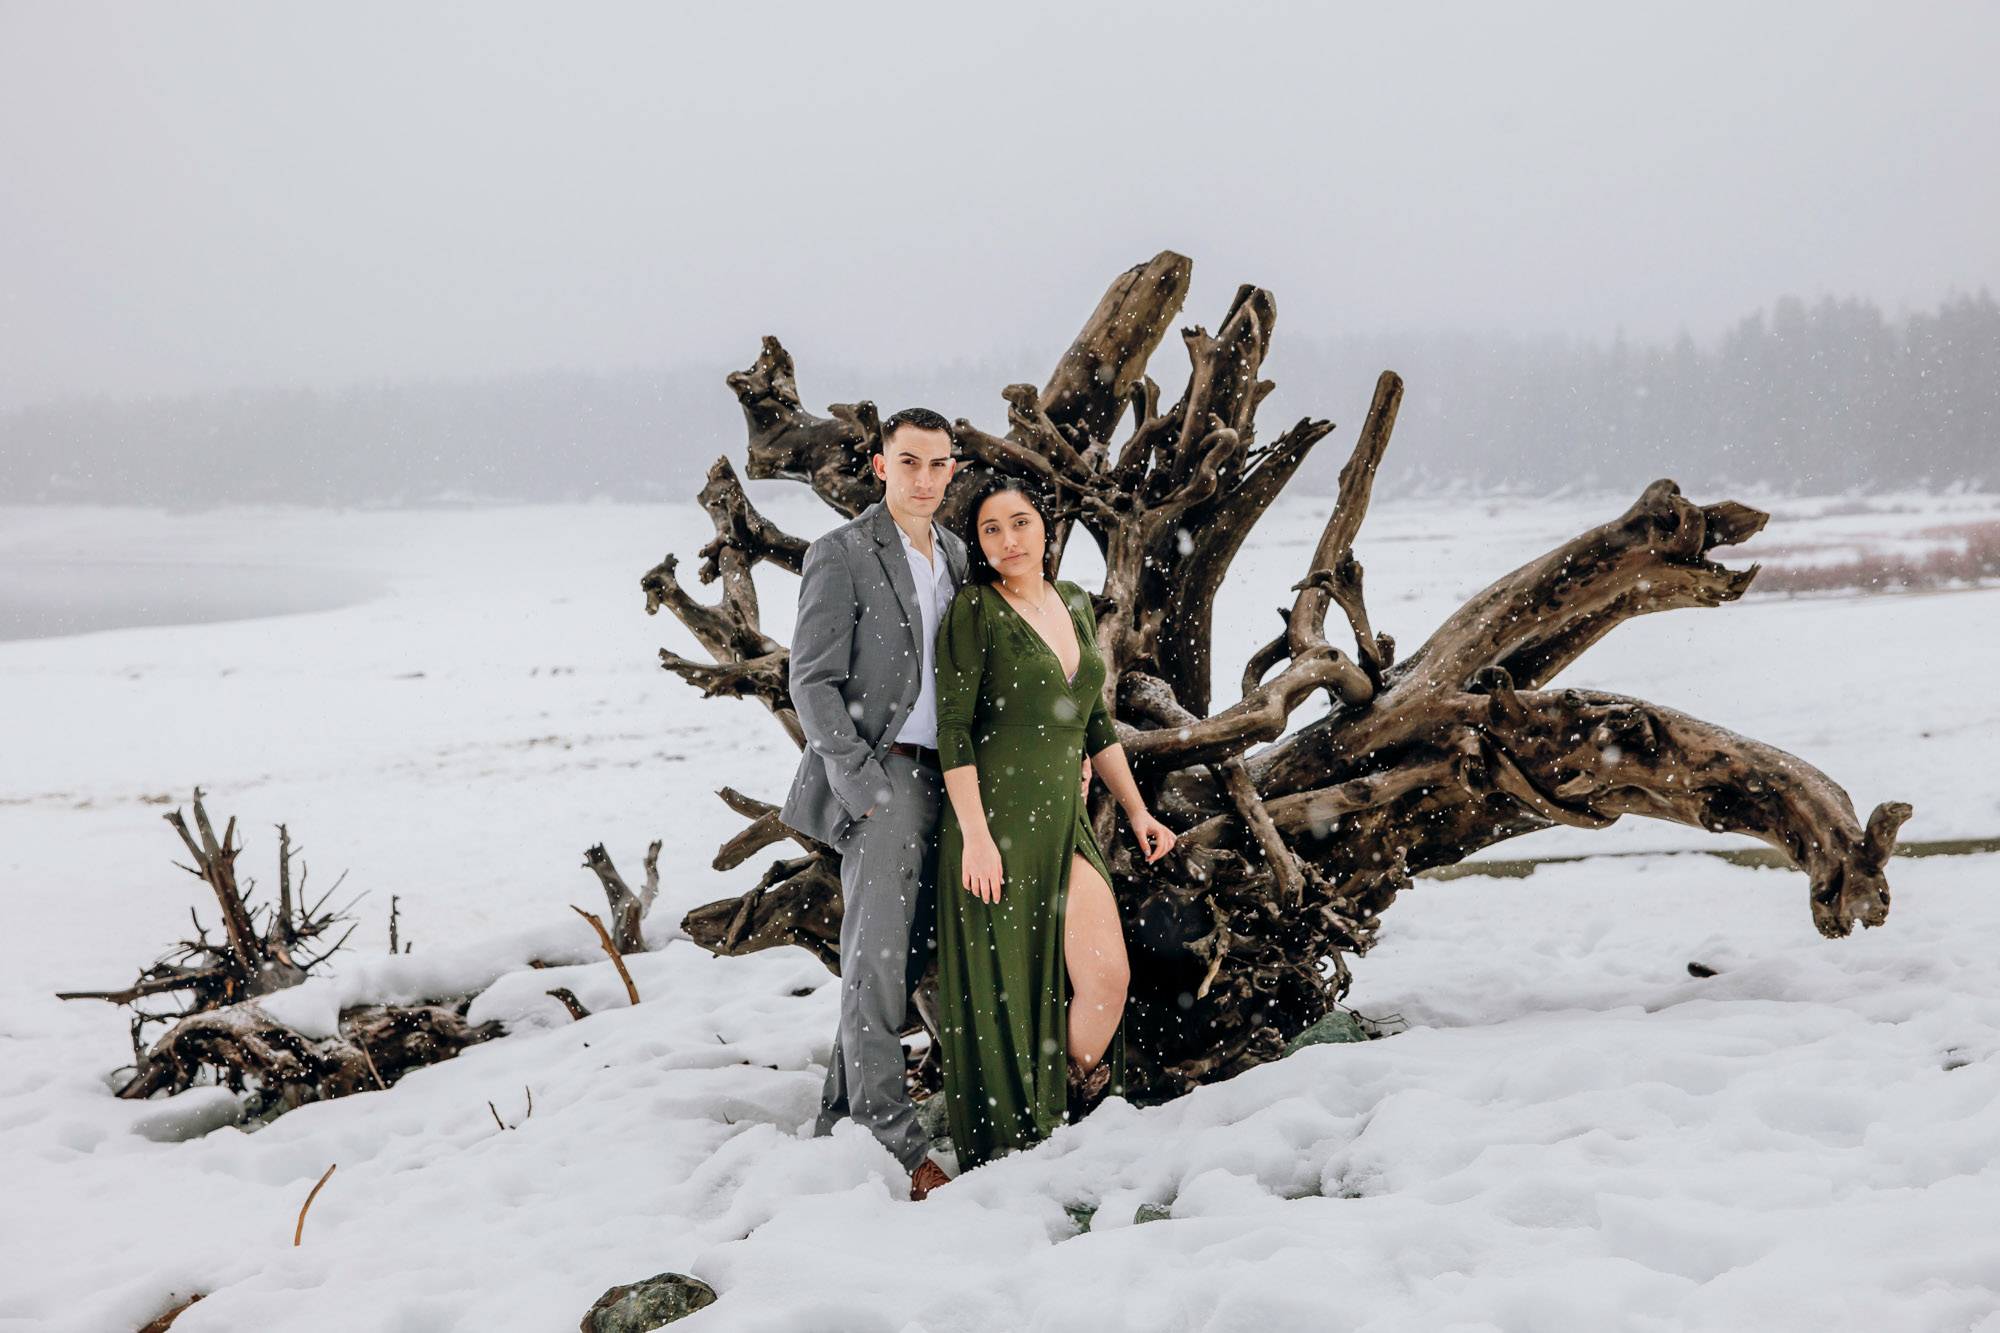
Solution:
(1155, 838)
(1086, 777)
(980, 868)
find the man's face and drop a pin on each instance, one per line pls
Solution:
(915, 464)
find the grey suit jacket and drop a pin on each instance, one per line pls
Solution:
(856, 663)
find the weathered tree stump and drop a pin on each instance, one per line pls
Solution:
(216, 1025)
(628, 907)
(249, 1050)
(1292, 845)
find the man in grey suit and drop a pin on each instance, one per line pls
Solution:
(872, 595)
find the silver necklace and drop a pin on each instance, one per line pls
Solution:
(1040, 604)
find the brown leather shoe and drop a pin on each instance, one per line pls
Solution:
(927, 1177)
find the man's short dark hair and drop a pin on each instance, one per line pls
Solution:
(920, 417)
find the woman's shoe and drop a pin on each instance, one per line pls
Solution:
(1086, 1090)
(927, 1177)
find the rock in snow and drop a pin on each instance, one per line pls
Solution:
(654, 1303)
(1338, 1026)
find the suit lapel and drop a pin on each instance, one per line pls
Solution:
(889, 549)
(954, 557)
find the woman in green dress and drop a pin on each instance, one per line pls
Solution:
(1031, 955)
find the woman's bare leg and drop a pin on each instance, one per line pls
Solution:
(1094, 951)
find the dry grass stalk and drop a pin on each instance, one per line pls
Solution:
(299, 1231)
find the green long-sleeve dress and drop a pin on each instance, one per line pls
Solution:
(1003, 988)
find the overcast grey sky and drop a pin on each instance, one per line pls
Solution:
(201, 195)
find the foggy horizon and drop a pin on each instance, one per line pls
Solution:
(846, 380)
(219, 198)
(1805, 398)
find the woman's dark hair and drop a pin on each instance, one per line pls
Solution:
(981, 570)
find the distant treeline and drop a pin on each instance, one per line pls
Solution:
(1808, 399)
(521, 437)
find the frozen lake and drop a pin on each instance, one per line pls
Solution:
(80, 570)
(41, 599)
(1574, 1134)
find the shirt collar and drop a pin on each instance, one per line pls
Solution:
(910, 547)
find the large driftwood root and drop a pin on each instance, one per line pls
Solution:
(217, 1030)
(1292, 845)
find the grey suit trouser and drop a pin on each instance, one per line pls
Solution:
(888, 878)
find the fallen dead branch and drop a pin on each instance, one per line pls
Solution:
(166, 1321)
(610, 949)
(569, 1001)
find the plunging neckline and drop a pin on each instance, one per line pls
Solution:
(1070, 679)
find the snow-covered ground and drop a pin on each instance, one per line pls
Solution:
(1574, 1133)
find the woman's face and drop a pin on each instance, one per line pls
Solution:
(1011, 534)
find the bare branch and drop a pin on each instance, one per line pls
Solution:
(1261, 715)
(628, 910)
(569, 1001)
(739, 525)
(747, 806)
(1032, 426)
(1291, 878)
(652, 888)
(1016, 460)
(766, 829)
(788, 442)
(797, 902)
(1638, 758)
(1107, 361)
(1541, 617)
(604, 938)
(217, 862)
(1335, 575)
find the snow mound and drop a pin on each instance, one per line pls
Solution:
(1571, 1135)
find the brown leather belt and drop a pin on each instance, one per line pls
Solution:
(923, 754)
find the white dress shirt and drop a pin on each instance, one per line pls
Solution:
(934, 593)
